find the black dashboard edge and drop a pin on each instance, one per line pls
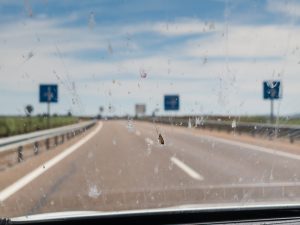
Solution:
(178, 217)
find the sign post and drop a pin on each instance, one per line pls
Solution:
(171, 103)
(272, 111)
(48, 94)
(272, 91)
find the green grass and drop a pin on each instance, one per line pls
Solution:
(290, 121)
(19, 125)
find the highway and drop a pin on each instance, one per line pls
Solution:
(120, 165)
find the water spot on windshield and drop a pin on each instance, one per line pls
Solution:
(28, 8)
(37, 38)
(204, 60)
(236, 197)
(198, 121)
(94, 192)
(28, 56)
(111, 109)
(156, 169)
(149, 149)
(233, 124)
(90, 155)
(143, 73)
(120, 172)
(171, 164)
(129, 125)
(110, 49)
(92, 21)
(213, 144)
(211, 26)
(190, 123)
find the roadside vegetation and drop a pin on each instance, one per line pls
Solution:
(247, 119)
(13, 125)
(258, 119)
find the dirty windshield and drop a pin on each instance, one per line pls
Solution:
(124, 105)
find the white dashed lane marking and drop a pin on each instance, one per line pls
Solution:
(188, 170)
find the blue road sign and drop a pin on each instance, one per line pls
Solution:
(171, 102)
(272, 89)
(48, 93)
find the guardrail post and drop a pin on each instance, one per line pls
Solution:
(47, 143)
(291, 139)
(270, 132)
(56, 140)
(62, 138)
(20, 154)
(36, 148)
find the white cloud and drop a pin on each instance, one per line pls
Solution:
(287, 8)
(211, 86)
(247, 41)
(183, 26)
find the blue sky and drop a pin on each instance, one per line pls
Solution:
(214, 54)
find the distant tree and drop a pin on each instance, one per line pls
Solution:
(28, 110)
(69, 113)
(101, 109)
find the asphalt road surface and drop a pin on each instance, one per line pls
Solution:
(120, 165)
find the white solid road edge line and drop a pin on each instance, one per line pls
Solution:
(253, 147)
(10, 190)
(192, 173)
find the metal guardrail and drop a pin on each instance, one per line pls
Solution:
(266, 130)
(10, 144)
